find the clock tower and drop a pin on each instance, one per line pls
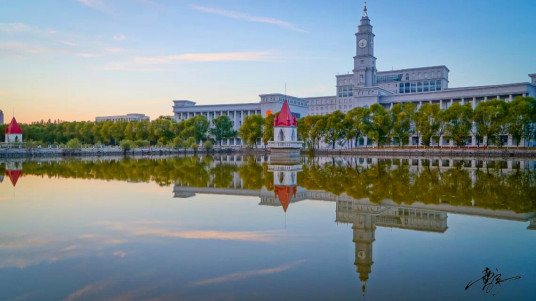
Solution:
(364, 61)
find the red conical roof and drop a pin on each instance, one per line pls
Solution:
(13, 127)
(285, 194)
(14, 176)
(285, 117)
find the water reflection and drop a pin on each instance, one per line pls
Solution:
(410, 194)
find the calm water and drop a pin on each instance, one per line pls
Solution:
(232, 227)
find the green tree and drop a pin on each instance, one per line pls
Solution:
(459, 123)
(334, 130)
(401, 116)
(519, 121)
(207, 145)
(269, 128)
(251, 130)
(126, 145)
(223, 128)
(427, 122)
(490, 120)
(354, 123)
(378, 124)
(74, 144)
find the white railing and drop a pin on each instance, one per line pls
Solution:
(285, 144)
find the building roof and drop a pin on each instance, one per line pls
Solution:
(14, 176)
(13, 127)
(285, 194)
(285, 117)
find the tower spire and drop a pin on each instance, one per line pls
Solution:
(365, 15)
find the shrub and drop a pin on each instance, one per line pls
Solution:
(74, 144)
(126, 145)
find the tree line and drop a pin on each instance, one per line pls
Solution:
(488, 122)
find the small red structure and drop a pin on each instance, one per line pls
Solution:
(285, 195)
(13, 127)
(13, 132)
(14, 176)
(285, 117)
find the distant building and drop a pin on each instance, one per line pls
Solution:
(128, 117)
(1, 117)
(13, 132)
(366, 86)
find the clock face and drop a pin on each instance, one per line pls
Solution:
(362, 43)
(361, 254)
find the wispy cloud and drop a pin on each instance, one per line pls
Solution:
(115, 50)
(146, 228)
(96, 4)
(120, 37)
(88, 55)
(69, 43)
(17, 27)
(242, 16)
(208, 57)
(248, 274)
(23, 28)
(22, 48)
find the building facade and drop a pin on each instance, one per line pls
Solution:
(1, 117)
(128, 117)
(366, 86)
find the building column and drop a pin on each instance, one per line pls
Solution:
(463, 101)
(510, 98)
(474, 103)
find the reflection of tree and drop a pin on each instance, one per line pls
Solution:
(251, 174)
(222, 175)
(490, 188)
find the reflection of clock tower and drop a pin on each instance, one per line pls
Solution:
(364, 61)
(364, 228)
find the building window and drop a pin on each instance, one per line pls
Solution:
(438, 85)
(413, 87)
(419, 87)
(425, 86)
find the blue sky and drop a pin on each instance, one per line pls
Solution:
(76, 59)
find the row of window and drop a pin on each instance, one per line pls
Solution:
(389, 78)
(345, 91)
(419, 87)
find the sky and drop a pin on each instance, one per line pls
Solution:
(77, 59)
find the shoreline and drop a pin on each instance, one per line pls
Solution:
(414, 153)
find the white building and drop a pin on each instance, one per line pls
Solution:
(13, 132)
(366, 86)
(128, 117)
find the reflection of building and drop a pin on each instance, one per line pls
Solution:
(13, 132)
(14, 171)
(128, 117)
(365, 216)
(285, 183)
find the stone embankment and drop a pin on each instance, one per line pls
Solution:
(459, 153)
(116, 151)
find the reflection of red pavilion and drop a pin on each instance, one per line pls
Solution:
(285, 183)
(14, 171)
(285, 195)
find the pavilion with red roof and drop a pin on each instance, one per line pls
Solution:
(285, 132)
(13, 132)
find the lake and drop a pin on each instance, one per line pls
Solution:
(251, 228)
